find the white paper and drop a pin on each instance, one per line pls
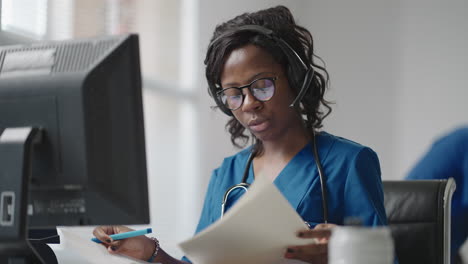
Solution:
(89, 250)
(258, 229)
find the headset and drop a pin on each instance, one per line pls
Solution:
(293, 58)
(298, 66)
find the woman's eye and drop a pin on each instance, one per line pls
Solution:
(261, 90)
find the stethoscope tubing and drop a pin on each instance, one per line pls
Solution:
(244, 185)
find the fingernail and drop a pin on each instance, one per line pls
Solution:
(114, 248)
(290, 250)
(108, 240)
(300, 234)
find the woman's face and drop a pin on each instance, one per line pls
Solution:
(270, 120)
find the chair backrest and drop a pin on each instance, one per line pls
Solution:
(418, 213)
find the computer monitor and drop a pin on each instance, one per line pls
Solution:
(71, 135)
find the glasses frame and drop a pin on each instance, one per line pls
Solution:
(249, 86)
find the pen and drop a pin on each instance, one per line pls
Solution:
(125, 235)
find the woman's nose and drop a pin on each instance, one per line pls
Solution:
(250, 102)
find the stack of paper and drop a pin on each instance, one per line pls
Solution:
(258, 229)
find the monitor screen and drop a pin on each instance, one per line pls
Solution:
(89, 166)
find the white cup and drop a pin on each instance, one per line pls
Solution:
(464, 252)
(360, 245)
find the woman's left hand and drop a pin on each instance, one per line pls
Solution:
(316, 253)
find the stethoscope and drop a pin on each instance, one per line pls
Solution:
(244, 185)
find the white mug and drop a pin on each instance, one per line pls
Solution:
(360, 245)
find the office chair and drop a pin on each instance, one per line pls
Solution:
(418, 213)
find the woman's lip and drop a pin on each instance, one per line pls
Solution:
(258, 126)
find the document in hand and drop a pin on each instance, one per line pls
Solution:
(89, 251)
(258, 229)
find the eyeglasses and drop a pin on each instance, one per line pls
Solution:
(262, 89)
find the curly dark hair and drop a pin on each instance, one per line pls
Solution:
(280, 20)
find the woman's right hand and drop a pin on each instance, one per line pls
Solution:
(139, 247)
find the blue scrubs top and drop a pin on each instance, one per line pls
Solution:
(353, 182)
(448, 157)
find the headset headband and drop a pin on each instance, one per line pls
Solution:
(290, 53)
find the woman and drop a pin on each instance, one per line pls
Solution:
(261, 71)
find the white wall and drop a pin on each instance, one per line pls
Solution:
(356, 40)
(432, 76)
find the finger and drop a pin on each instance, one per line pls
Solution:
(307, 252)
(121, 229)
(114, 246)
(102, 233)
(324, 226)
(314, 233)
(317, 259)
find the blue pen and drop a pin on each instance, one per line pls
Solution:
(126, 235)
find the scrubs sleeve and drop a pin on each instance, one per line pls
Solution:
(363, 196)
(207, 216)
(209, 206)
(441, 160)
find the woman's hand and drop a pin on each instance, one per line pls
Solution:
(316, 253)
(139, 247)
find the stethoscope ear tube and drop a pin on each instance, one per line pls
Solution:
(323, 184)
(247, 167)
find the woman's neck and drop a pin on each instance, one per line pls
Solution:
(275, 155)
(291, 143)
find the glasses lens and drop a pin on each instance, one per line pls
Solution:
(232, 98)
(263, 89)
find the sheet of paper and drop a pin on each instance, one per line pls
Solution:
(90, 251)
(257, 229)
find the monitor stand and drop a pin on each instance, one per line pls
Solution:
(16, 148)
